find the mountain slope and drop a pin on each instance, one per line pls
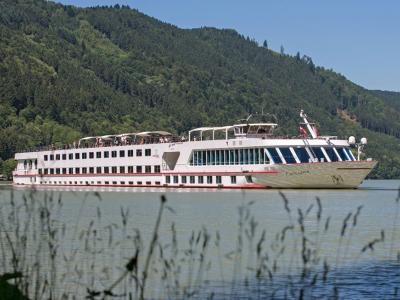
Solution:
(67, 72)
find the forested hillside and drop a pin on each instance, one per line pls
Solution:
(67, 72)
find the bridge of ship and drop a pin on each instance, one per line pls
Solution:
(260, 130)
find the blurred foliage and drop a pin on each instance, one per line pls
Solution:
(67, 72)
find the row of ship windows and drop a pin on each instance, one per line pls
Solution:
(175, 180)
(98, 154)
(101, 170)
(200, 179)
(276, 155)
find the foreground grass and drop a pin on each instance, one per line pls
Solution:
(44, 258)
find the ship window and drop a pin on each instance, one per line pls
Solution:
(106, 154)
(98, 182)
(114, 182)
(113, 153)
(113, 169)
(209, 179)
(233, 179)
(122, 182)
(157, 169)
(58, 171)
(91, 155)
(57, 156)
(51, 157)
(167, 179)
(98, 154)
(64, 156)
(70, 156)
(71, 170)
(157, 183)
(106, 169)
(176, 179)
(183, 179)
(46, 157)
(98, 169)
(64, 170)
(343, 155)
(138, 169)
(106, 182)
(76, 155)
(200, 179)
(246, 156)
(191, 178)
(218, 179)
(77, 170)
(251, 156)
(302, 154)
(204, 158)
(236, 156)
(212, 157)
(222, 157)
(147, 169)
(148, 182)
(139, 152)
(84, 155)
(331, 153)
(91, 170)
(84, 170)
(349, 153)
(147, 152)
(231, 157)
(46, 171)
(130, 169)
(122, 169)
(130, 153)
(121, 153)
(131, 182)
(288, 156)
(275, 156)
(40, 171)
(318, 153)
(139, 183)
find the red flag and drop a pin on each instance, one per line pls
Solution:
(303, 131)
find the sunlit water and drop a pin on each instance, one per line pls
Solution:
(356, 270)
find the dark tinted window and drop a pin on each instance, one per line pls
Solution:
(287, 155)
(331, 153)
(274, 155)
(342, 154)
(302, 154)
(318, 153)
(348, 151)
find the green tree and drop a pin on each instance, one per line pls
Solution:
(9, 166)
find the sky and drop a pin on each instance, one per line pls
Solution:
(359, 38)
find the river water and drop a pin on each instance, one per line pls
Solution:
(220, 243)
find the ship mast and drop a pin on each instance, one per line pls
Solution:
(308, 125)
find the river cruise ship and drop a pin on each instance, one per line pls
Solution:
(245, 155)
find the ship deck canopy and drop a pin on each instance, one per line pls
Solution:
(238, 129)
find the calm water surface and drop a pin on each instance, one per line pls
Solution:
(374, 271)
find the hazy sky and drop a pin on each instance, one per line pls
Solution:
(359, 39)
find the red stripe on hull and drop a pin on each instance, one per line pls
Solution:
(254, 186)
